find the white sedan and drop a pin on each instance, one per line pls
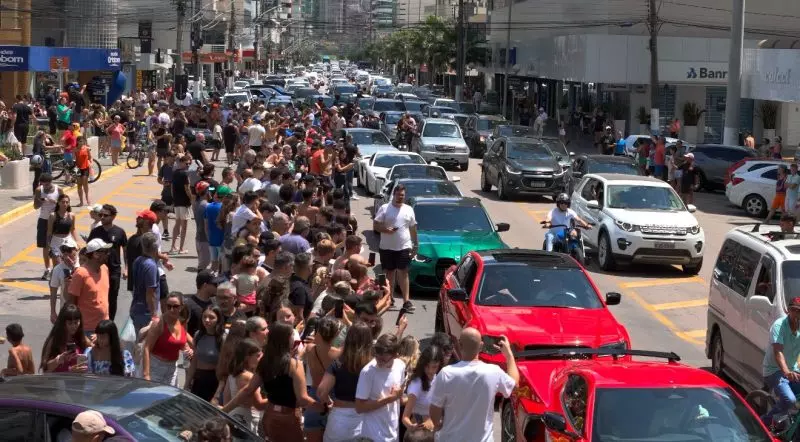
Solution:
(376, 167)
(633, 141)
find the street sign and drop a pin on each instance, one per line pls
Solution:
(59, 64)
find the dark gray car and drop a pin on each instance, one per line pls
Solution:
(711, 163)
(523, 165)
(477, 131)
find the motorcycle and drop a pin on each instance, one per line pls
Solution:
(565, 243)
(784, 426)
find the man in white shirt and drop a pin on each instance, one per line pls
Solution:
(256, 134)
(379, 389)
(398, 227)
(558, 218)
(61, 276)
(245, 212)
(463, 394)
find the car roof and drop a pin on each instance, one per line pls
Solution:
(632, 373)
(449, 201)
(422, 180)
(440, 120)
(489, 117)
(360, 130)
(533, 257)
(386, 100)
(516, 139)
(618, 178)
(788, 245)
(607, 158)
(399, 153)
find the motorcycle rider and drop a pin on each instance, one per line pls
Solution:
(780, 368)
(561, 215)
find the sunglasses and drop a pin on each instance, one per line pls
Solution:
(173, 306)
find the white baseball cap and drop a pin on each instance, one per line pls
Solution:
(91, 422)
(97, 244)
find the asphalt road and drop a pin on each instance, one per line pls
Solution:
(661, 308)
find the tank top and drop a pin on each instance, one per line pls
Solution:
(167, 347)
(206, 350)
(62, 225)
(280, 391)
(49, 204)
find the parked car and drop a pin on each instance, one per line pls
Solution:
(440, 140)
(42, 408)
(588, 395)
(416, 188)
(240, 98)
(754, 189)
(638, 219)
(373, 170)
(711, 163)
(583, 164)
(537, 299)
(632, 143)
(517, 165)
(478, 129)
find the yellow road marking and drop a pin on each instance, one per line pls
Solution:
(663, 319)
(29, 258)
(26, 286)
(680, 304)
(20, 256)
(148, 197)
(660, 281)
(131, 205)
(694, 334)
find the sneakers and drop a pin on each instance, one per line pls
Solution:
(409, 307)
(354, 198)
(46, 275)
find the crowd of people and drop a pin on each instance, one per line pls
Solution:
(286, 331)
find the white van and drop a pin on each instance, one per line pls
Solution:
(756, 274)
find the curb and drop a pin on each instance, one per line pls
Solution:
(27, 208)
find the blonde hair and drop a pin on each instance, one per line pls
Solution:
(409, 352)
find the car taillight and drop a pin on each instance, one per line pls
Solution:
(736, 180)
(736, 165)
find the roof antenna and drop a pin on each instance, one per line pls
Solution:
(756, 226)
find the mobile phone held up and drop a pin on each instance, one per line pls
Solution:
(310, 328)
(380, 279)
(400, 315)
(489, 345)
(372, 259)
(338, 311)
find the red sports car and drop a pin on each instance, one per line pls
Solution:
(608, 396)
(537, 299)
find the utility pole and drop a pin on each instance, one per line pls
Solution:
(652, 24)
(508, 57)
(460, 56)
(231, 43)
(196, 44)
(257, 42)
(180, 7)
(734, 93)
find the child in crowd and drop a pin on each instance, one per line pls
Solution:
(246, 282)
(20, 357)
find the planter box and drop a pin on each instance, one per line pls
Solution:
(690, 134)
(16, 175)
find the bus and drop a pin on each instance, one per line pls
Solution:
(326, 59)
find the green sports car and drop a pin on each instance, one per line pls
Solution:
(448, 228)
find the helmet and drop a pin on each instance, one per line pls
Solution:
(562, 198)
(37, 160)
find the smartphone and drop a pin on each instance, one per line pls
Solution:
(400, 315)
(488, 345)
(371, 259)
(381, 280)
(82, 360)
(67, 273)
(310, 328)
(339, 309)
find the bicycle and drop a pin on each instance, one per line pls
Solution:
(58, 166)
(784, 426)
(136, 157)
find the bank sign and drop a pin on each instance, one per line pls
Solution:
(37, 58)
(692, 72)
(14, 58)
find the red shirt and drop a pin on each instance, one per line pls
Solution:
(316, 163)
(69, 141)
(660, 154)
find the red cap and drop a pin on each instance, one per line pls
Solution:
(309, 141)
(201, 187)
(795, 302)
(148, 215)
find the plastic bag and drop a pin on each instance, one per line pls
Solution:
(127, 336)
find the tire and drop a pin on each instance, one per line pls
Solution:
(579, 256)
(508, 423)
(700, 181)
(755, 205)
(134, 160)
(693, 269)
(486, 186)
(760, 401)
(716, 353)
(501, 189)
(358, 179)
(464, 166)
(605, 254)
(438, 326)
(97, 171)
(57, 169)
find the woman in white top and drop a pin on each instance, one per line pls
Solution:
(417, 411)
(242, 367)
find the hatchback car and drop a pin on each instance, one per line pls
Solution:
(42, 408)
(477, 131)
(752, 186)
(517, 165)
(440, 140)
(588, 395)
(536, 299)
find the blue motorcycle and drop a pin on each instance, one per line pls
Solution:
(564, 243)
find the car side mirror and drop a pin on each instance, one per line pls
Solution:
(758, 301)
(593, 204)
(455, 179)
(503, 227)
(459, 295)
(691, 208)
(613, 298)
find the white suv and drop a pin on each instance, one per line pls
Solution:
(756, 274)
(638, 219)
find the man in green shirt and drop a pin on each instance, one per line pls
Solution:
(780, 361)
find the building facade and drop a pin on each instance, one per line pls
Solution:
(15, 29)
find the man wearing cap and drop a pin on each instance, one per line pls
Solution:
(147, 287)
(114, 235)
(780, 368)
(61, 276)
(89, 286)
(206, 284)
(90, 426)
(144, 223)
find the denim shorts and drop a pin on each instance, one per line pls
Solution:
(215, 252)
(313, 419)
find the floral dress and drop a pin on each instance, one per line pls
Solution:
(104, 367)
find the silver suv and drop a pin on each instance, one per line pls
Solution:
(440, 140)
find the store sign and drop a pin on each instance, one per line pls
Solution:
(114, 59)
(59, 64)
(703, 73)
(692, 72)
(770, 74)
(13, 58)
(778, 76)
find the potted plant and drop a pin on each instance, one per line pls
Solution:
(619, 112)
(641, 117)
(768, 112)
(15, 172)
(691, 117)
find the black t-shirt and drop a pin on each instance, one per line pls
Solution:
(230, 134)
(180, 179)
(178, 126)
(598, 125)
(196, 148)
(237, 315)
(300, 294)
(161, 143)
(196, 308)
(346, 382)
(24, 113)
(117, 238)
(132, 251)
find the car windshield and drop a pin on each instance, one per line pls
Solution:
(327, 101)
(528, 151)
(441, 130)
(365, 103)
(404, 87)
(382, 82)
(388, 161)
(305, 92)
(466, 108)
(460, 119)
(443, 110)
(612, 167)
(522, 285)
(515, 131)
(166, 419)
(360, 138)
(409, 171)
(557, 147)
(388, 105)
(672, 414)
(392, 118)
(452, 218)
(414, 106)
(345, 89)
(791, 277)
(431, 188)
(636, 197)
(486, 124)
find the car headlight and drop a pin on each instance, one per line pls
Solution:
(628, 227)
(558, 173)
(694, 230)
(422, 258)
(621, 345)
(512, 170)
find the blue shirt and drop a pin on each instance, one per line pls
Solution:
(215, 234)
(781, 333)
(293, 243)
(145, 276)
(620, 150)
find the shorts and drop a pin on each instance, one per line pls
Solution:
(84, 172)
(395, 259)
(21, 132)
(162, 153)
(779, 201)
(116, 144)
(229, 147)
(215, 252)
(69, 158)
(313, 419)
(41, 233)
(181, 213)
(658, 171)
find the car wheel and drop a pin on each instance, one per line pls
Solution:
(358, 179)
(700, 181)
(755, 206)
(717, 354)
(438, 326)
(501, 188)
(605, 254)
(579, 256)
(693, 269)
(508, 423)
(486, 186)
(464, 166)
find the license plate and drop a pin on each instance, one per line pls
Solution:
(665, 245)
(538, 184)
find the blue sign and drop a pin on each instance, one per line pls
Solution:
(14, 58)
(37, 58)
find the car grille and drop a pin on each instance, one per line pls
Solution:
(441, 267)
(446, 148)
(663, 252)
(663, 230)
(538, 173)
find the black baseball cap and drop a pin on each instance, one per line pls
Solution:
(158, 206)
(208, 277)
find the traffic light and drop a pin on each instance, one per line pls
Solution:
(181, 86)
